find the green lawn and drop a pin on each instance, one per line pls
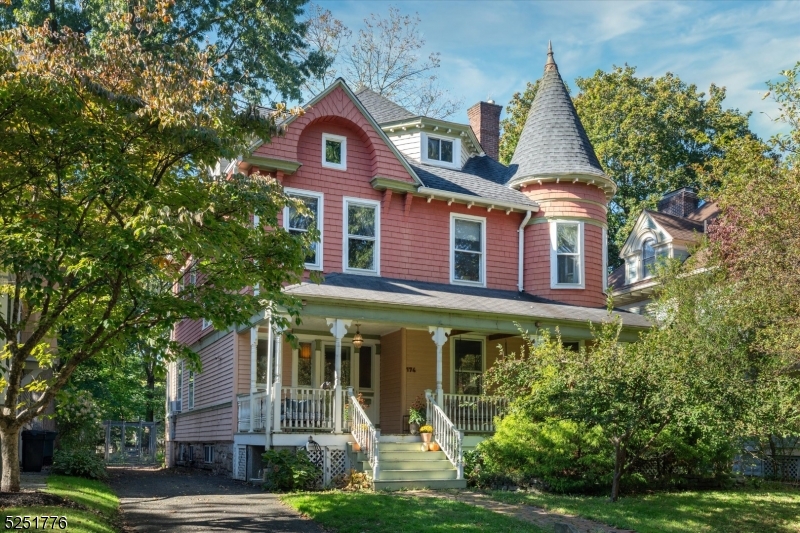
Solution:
(766, 510)
(95, 495)
(365, 512)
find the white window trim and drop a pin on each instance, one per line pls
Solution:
(206, 324)
(206, 449)
(554, 255)
(453, 280)
(453, 357)
(340, 139)
(179, 386)
(423, 153)
(642, 274)
(190, 386)
(320, 222)
(346, 201)
(605, 259)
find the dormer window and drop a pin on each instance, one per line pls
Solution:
(440, 150)
(334, 151)
(648, 258)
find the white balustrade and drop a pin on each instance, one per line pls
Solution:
(446, 434)
(363, 431)
(474, 413)
(260, 403)
(306, 408)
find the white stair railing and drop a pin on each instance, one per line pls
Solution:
(363, 431)
(474, 413)
(446, 434)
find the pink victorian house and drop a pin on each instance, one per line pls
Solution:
(430, 250)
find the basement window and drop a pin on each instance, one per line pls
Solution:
(208, 454)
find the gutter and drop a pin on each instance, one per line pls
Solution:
(521, 234)
(476, 200)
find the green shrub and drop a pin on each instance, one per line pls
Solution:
(79, 462)
(285, 470)
(556, 455)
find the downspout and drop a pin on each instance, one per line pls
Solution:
(521, 233)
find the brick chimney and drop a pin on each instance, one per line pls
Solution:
(679, 203)
(484, 117)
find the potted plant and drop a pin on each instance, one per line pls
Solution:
(416, 415)
(426, 432)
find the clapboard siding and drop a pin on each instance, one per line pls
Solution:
(213, 424)
(408, 144)
(243, 373)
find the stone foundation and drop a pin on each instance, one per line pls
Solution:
(192, 455)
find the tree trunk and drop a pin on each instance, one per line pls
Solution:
(619, 464)
(151, 396)
(10, 453)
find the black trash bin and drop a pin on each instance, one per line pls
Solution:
(49, 443)
(33, 450)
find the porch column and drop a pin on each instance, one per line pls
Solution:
(338, 330)
(276, 389)
(253, 377)
(267, 404)
(439, 337)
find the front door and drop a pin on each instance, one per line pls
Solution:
(359, 372)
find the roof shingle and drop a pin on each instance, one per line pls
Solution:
(553, 141)
(369, 289)
(381, 108)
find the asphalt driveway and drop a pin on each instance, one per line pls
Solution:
(188, 501)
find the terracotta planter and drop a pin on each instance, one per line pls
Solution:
(413, 428)
(426, 437)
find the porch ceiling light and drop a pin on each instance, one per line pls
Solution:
(358, 340)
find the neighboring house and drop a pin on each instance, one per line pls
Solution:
(431, 250)
(678, 224)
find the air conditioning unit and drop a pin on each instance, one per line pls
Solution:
(175, 406)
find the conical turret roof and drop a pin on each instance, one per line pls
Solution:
(553, 141)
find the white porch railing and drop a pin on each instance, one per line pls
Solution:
(307, 408)
(363, 431)
(446, 434)
(474, 413)
(259, 421)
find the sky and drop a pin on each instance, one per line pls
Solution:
(489, 49)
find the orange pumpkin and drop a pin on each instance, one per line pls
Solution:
(356, 447)
(434, 446)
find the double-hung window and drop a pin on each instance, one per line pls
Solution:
(179, 387)
(566, 260)
(334, 151)
(648, 258)
(297, 222)
(468, 366)
(362, 227)
(191, 389)
(468, 249)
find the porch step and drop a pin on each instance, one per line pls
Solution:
(436, 484)
(405, 463)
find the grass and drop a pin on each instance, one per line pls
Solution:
(366, 512)
(96, 496)
(770, 509)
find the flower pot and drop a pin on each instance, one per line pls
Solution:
(413, 428)
(426, 437)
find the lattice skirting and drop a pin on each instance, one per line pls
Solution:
(332, 462)
(240, 463)
(786, 468)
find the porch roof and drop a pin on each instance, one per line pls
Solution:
(453, 298)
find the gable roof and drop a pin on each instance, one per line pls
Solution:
(678, 227)
(381, 108)
(553, 141)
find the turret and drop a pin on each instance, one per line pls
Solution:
(555, 165)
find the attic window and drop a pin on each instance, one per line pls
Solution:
(648, 258)
(440, 150)
(334, 151)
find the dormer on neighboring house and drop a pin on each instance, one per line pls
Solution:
(671, 231)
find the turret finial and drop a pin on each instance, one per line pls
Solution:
(551, 64)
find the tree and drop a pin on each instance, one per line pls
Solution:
(106, 199)
(385, 58)
(651, 135)
(259, 45)
(325, 35)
